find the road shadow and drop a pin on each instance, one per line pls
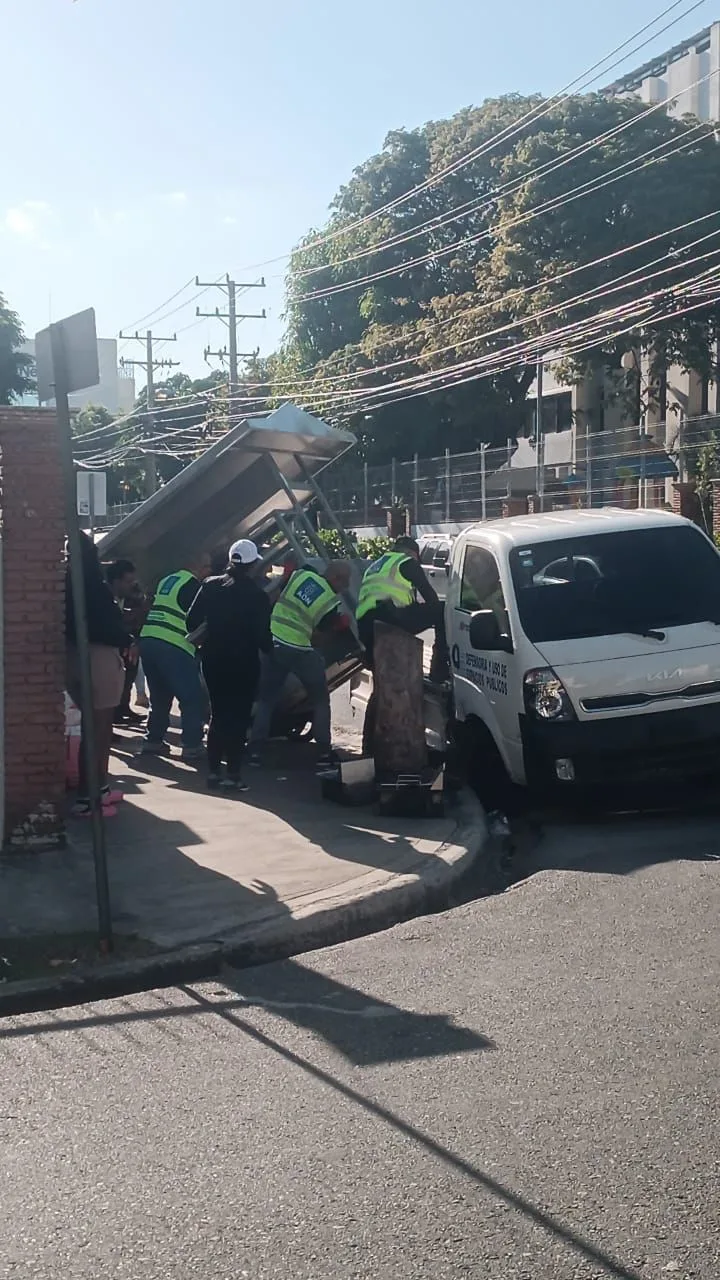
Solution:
(365, 1030)
(619, 843)
(231, 1013)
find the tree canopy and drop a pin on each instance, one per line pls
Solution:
(15, 368)
(492, 258)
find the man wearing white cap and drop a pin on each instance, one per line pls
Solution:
(231, 613)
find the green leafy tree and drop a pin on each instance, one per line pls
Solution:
(16, 376)
(536, 203)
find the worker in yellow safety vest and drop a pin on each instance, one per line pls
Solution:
(170, 662)
(308, 606)
(388, 594)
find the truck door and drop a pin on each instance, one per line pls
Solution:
(481, 678)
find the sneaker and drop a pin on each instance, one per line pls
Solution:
(153, 748)
(234, 784)
(81, 809)
(111, 797)
(213, 781)
(192, 754)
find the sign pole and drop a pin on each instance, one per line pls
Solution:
(77, 581)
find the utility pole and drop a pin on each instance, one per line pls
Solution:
(231, 319)
(149, 364)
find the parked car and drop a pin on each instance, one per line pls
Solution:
(435, 550)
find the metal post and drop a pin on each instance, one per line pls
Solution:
(312, 483)
(483, 481)
(77, 581)
(91, 503)
(509, 465)
(416, 480)
(232, 338)
(642, 482)
(541, 493)
(150, 460)
(393, 482)
(447, 486)
(588, 465)
(539, 431)
(366, 496)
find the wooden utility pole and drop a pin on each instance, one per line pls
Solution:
(231, 318)
(149, 364)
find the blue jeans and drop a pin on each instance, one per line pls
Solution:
(308, 666)
(171, 673)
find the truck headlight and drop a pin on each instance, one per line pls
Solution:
(545, 696)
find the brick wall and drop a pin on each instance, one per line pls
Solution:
(33, 527)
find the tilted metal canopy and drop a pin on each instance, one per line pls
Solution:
(230, 492)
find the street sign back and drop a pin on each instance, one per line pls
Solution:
(79, 337)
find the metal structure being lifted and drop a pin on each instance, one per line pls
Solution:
(256, 479)
(255, 482)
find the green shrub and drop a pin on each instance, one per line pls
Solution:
(373, 548)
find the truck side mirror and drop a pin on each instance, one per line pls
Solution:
(485, 632)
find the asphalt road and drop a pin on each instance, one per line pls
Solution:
(524, 1088)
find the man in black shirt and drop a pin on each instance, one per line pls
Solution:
(230, 617)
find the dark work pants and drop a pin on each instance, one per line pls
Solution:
(232, 687)
(414, 618)
(131, 670)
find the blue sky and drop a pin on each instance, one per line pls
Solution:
(153, 140)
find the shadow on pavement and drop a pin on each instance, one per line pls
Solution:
(366, 1031)
(228, 1011)
(616, 843)
(591, 1252)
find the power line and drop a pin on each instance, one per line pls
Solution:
(578, 83)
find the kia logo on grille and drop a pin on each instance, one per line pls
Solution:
(666, 675)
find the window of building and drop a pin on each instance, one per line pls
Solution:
(557, 414)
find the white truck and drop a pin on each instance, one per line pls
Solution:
(585, 647)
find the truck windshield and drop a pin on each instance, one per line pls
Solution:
(640, 580)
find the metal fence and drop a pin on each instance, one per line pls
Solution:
(456, 488)
(633, 467)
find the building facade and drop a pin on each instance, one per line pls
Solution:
(601, 448)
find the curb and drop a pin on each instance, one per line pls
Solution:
(401, 898)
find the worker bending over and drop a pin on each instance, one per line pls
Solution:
(171, 664)
(309, 604)
(388, 594)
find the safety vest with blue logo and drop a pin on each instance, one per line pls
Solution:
(303, 604)
(167, 620)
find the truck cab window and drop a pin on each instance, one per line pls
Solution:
(481, 587)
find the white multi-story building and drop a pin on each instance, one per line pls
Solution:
(588, 418)
(687, 77)
(115, 390)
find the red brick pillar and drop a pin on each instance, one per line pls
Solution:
(33, 529)
(685, 501)
(514, 507)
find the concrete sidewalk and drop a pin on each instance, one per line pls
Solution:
(188, 866)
